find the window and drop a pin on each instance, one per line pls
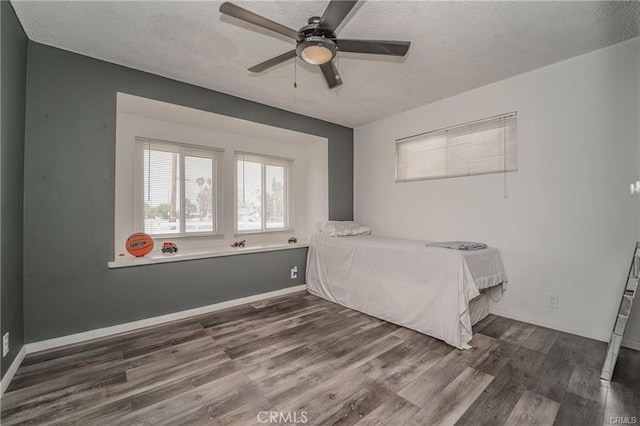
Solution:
(263, 200)
(179, 194)
(481, 147)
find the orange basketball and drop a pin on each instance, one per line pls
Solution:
(139, 244)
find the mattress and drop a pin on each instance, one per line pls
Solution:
(427, 289)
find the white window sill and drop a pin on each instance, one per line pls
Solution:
(262, 232)
(127, 261)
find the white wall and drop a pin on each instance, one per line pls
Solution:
(569, 224)
(310, 170)
(633, 328)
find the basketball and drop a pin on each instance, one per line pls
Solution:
(139, 244)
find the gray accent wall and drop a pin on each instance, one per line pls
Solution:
(69, 201)
(13, 80)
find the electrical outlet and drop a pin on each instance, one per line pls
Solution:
(5, 344)
(294, 272)
(552, 300)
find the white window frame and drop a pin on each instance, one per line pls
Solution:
(216, 155)
(505, 123)
(265, 160)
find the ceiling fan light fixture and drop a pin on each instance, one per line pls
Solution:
(316, 50)
(316, 55)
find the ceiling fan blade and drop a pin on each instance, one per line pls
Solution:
(255, 19)
(378, 47)
(331, 74)
(335, 13)
(273, 61)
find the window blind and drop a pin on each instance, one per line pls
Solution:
(178, 188)
(480, 147)
(162, 185)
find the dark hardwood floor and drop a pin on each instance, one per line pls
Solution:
(299, 358)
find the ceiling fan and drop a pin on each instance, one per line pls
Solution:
(317, 43)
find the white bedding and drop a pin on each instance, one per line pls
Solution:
(479, 308)
(426, 289)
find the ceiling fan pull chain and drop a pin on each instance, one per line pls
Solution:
(295, 73)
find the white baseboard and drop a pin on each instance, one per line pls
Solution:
(6, 379)
(631, 344)
(148, 322)
(561, 326)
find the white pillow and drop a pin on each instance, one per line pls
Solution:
(336, 228)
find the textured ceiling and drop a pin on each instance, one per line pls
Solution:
(456, 46)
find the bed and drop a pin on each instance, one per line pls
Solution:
(436, 291)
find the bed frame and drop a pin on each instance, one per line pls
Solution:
(435, 291)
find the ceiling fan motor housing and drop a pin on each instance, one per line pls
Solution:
(315, 45)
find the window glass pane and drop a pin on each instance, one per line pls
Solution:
(275, 197)
(161, 192)
(199, 192)
(249, 195)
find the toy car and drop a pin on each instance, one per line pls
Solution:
(169, 247)
(239, 243)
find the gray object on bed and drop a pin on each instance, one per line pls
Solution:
(458, 245)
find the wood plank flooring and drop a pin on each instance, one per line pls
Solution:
(305, 360)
